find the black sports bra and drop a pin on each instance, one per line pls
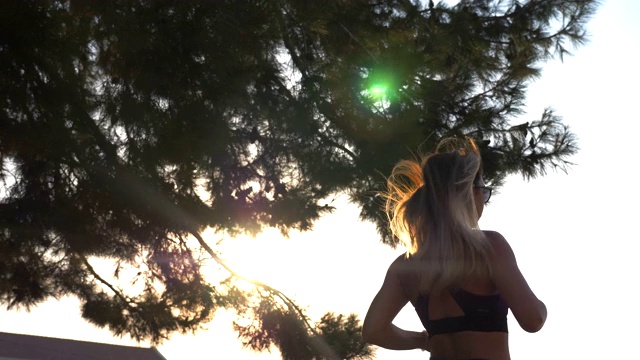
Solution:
(486, 313)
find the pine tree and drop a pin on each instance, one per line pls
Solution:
(127, 128)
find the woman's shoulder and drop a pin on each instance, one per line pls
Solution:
(405, 269)
(499, 245)
(492, 234)
(400, 265)
(501, 254)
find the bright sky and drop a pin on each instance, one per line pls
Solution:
(572, 233)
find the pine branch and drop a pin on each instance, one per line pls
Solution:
(116, 292)
(291, 305)
(373, 57)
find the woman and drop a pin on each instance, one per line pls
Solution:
(461, 280)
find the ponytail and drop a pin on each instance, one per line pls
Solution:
(431, 210)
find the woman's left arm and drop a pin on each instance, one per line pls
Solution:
(378, 329)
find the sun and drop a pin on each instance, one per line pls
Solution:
(311, 267)
(264, 258)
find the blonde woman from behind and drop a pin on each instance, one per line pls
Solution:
(461, 280)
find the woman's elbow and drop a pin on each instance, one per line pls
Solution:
(368, 333)
(535, 320)
(532, 326)
(368, 337)
(372, 334)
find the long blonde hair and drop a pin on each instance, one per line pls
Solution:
(431, 209)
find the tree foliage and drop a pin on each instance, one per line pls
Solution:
(129, 127)
(264, 323)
